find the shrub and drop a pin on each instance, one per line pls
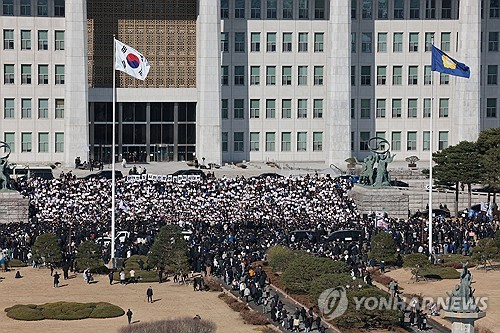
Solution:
(46, 248)
(383, 247)
(253, 318)
(64, 311)
(16, 263)
(212, 284)
(321, 283)
(88, 256)
(437, 272)
(381, 278)
(279, 258)
(238, 306)
(140, 276)
(99, 270)
(182, 325)
(455, 260)
(133, 262)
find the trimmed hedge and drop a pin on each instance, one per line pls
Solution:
(16, 263)
(182, 325)
(438, 272)
(279, 257)
(64, 311)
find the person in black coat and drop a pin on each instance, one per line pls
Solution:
(149, 293)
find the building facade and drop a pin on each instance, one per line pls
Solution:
(256, 80)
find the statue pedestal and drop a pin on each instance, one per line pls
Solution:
(391, 200)
(463, 322)
(13, 207)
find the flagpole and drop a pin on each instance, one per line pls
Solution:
(430, 159)
(113, 152)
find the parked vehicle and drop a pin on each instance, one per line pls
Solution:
(107, 174)
(345, 236)
(19, 172)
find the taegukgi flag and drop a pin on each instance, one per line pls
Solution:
(128, 60)
(443, 63)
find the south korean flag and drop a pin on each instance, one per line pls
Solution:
(128, 60)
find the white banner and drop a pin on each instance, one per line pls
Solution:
(164, 178)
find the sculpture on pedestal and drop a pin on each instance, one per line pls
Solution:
(374, 167)
(4, 174)
(462, 296)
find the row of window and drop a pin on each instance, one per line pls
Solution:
(365, 77)
(254, 109)
(37, 8)
(26, 74)
(286, 75)
(396, 9)
(396, 140)
(273, 9)
(42, 142)
(365, 108)
(9, 108)
(26, 40)
(271, 42)
(301, 142)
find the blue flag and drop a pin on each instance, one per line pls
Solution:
(443, 63)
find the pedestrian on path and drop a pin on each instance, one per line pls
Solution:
(129, 316)
(56, 280)
(149, 293)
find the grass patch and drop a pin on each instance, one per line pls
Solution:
(64, 311)
(16, 263)
(441, 273)
(182, 325)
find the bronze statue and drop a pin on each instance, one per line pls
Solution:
(462, 296)
(374, 167)
(4, 174)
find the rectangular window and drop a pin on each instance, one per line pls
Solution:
(317, 141)
(494, 8)
(382, 42)
(353, 76)
(319, 41)
(397, 75)
(414, 9)
(365, 108)
(491, 107)
(413, 41)
(270, 108)
(239, 109)
(396, 108)
(380, 113)
(271, 42)
(301, 141)
(366, 75)
(224, 108)
(286, 108)
(25, 74)
(270, 141)
(396, 141)
(8, 39)
(303, 9)
(255, 9)
(445, 41)
(383, 9)
(412, 108)
(286, 141)
(302, 108)
(25, 108)
(318, 108)
(10, 138)
(399, 10)
(25, 39)
(302, 77)
(224, 41)
(446, 9)
(43, 142)
(224, 75)
(255, 42)
(430, 9)
(225, 141)
(59, 40)
(239, 9)
(492, 74)
(59, 142)
(254, 141)
(411, 141)
(429, 37)
(443, 107)
(427, 75)
(397, 43)
(59, 108)
(42, 8)
(364, 137)
(444, 79)
(366, 9)
(287, 9)
(272, 9)
(8, 108)
(287, 42)
(303, 42)
(8, 7)
(319, 9)
(43, 108)
(239, 75)
(443, 140)
(366, 42)
(353, 42)
(238, 141)
(380, 143)
(254, 75)
(412, 75)
(43, 40)
(254, 108)
(270, 75)
(224, 13)
(25, 7)
(239, 42)
(381, 75)
(353, 108)
(354, 9)
(59, 10)
(426, 140)
(492, 42)
(318, 75)
(59, 74)
(427, 107)
(286, 75)
(25, 142)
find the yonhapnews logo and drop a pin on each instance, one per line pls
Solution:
(333, 302)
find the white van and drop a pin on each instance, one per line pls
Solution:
(20, 171)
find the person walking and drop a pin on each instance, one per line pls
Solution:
(122, 277)
(149, 293)
(129, 316)
(110, 276)
(56, 280)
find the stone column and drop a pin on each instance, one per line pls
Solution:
(338, 121)
(208, 117)
(76, 135)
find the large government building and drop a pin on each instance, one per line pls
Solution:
(255, 80)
